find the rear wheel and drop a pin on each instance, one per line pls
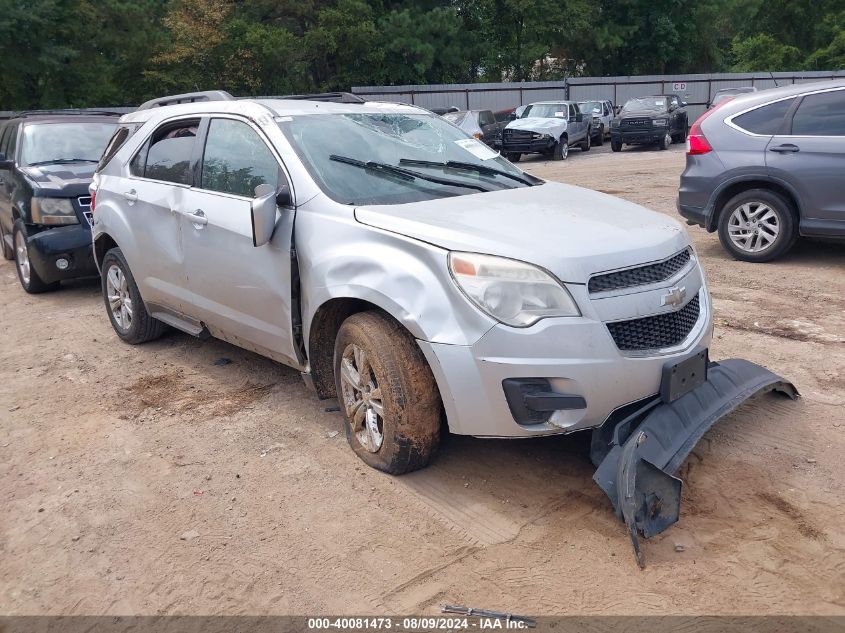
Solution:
(513, 156)
(124, 305)
(757, 226)
(27, 275)
(561, 151)
(588, 142)
(387, 392)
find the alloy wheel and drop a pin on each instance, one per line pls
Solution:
(117, 293)
(753, 227)
(362, 398)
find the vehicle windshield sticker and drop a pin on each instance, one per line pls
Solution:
(476, 148)
(560, 113)
(659, 102)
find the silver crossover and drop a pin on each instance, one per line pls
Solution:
(403, 267)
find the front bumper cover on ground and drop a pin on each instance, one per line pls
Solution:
(638, 456)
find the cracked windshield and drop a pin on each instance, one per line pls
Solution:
(380, 158)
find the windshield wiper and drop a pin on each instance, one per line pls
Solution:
(63, 160)
(481, 169)
(402, 174)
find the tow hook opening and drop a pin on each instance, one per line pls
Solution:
(638, 452)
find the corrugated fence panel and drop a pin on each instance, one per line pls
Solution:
(494, 100)
(457, 99)
(591, 92)
(543, 94)
(629, 91)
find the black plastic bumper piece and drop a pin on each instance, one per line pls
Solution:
(72, 243)
(532, 400)
(638, 457)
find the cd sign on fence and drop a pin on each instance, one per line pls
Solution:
(679, 86)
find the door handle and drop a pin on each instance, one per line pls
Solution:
(132, 195)
(197, 217)
(786, 148)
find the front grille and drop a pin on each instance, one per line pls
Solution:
(649, 274)
(656, 332)
(636, 123)
(518, 135)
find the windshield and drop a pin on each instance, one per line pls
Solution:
(658, 104)
(357, 158)
(589, 107)
(454, 117)
(64, 142)
(545, 111)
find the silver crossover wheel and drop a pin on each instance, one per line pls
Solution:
(362, 398)
(22, 255)
(117, 292)
(753, 227)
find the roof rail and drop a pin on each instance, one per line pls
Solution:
(188, 97)
(78, 111)
(336, 97)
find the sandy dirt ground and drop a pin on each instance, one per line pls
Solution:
(148, 480)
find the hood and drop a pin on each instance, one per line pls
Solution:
(534, 124)
(570, 231)
(68, 179)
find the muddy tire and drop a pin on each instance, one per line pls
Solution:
(513, 156)
(27, 275)
(386, 393)
(124, 305)
(757, 226)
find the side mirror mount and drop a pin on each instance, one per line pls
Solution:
(263, 212)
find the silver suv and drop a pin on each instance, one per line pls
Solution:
(410, 271)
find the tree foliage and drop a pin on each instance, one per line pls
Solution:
(63, 53)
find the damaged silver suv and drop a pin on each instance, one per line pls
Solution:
(415, 274)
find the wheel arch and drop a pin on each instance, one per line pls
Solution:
(736, 187)
(103, 243)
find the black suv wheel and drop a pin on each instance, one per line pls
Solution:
(27, 275)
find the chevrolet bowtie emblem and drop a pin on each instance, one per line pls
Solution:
(674, 297)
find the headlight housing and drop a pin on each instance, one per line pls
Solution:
(53, 211)
(659, 122)
(513, 292)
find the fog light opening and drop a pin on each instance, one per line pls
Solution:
(62, 263)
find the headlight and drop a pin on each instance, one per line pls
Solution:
(53, 211)
(614, 123)
(510, 291)
(659, 122)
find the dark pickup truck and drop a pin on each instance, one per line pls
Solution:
(654, 120)
(47, 161)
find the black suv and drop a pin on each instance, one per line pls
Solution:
(47, 160)
(655, 120)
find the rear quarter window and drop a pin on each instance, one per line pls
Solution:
(821, 114)
(120, 136)
(766, 120)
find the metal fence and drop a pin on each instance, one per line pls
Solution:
(696, 90)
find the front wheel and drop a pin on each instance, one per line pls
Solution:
(27, 275)
(757, 226)
(665, 141)
(513, 156)
(387, 392)
(561, 151)
(126, 309)
(600, 137)
(616, 146)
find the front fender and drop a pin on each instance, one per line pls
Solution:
(406, 278)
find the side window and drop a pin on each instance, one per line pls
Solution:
(821, 114)
(766, 120)
(573, 112)
(12, 144)
(236, 160)
(169, 153)
(4, 135)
